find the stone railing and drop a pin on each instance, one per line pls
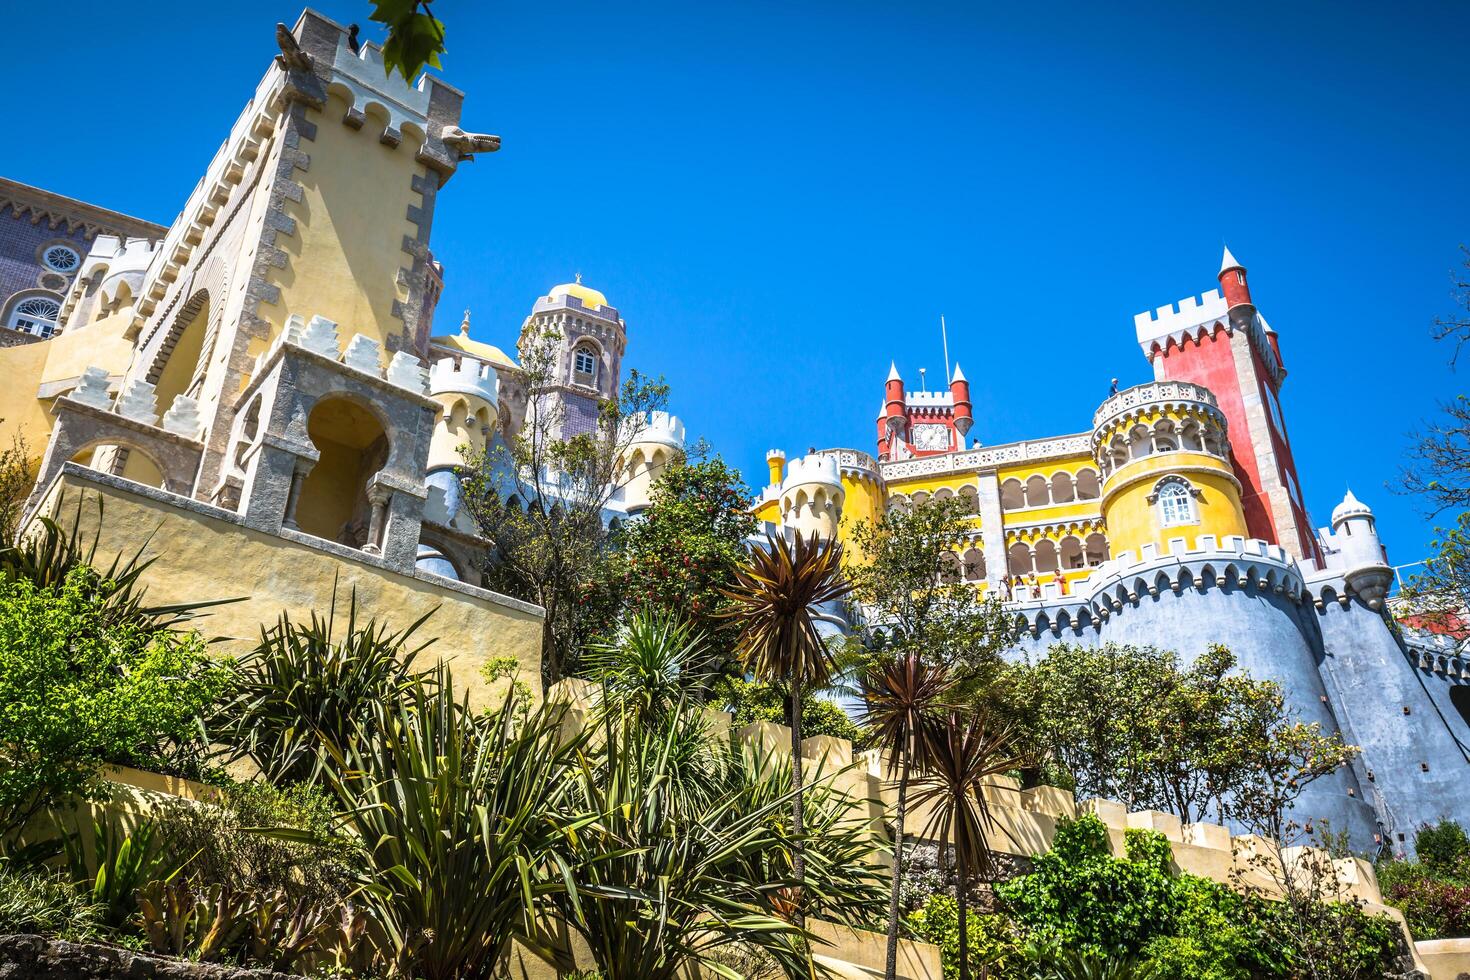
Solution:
(988, 457)
(1156, 392)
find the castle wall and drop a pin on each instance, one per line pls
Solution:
(1381, 698)
(346, 258)
(1271, 639)
(205, 553)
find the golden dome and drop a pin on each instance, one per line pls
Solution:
(591, 298)
(461, 342)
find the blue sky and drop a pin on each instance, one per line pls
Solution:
(782, 197)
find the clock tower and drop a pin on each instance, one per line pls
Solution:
(923, 423)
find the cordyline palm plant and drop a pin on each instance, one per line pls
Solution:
(777, 597)
(898, 695)
(304, 692)
(460, 816)
(670, 876)
(959, 753)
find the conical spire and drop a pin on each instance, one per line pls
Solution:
(958, 374)
(1228, 261)
(893, 374)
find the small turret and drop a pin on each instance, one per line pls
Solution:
(658, 441)
(776, 460)
(1233, 282)
(959, 390)
(1354, 548)
(812, 496)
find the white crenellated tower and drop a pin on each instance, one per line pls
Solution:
(812, 496)
(1352, 549)
(658, 442)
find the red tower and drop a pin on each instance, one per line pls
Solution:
(1222, 342)
(923, 423)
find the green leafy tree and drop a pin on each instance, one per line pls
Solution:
(1130, 723)
(683, 551)
(751, 701)
(650, 668)
(905, 573)
(79, 690)
(540, 498)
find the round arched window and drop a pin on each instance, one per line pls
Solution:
(586, 362)
(36, 315)
(1176, 502)
(60, 258)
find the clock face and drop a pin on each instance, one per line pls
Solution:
(931, 438)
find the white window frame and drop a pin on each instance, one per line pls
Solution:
(591, 357)
(1174, 497)
(32, 323)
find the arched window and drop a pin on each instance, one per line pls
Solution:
(36, 315)
(1175, 499)
(585, 362)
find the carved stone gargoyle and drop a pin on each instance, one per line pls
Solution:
(291, 55)
(468, 144)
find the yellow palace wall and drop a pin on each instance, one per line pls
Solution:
(1132, 521)
(201, 555)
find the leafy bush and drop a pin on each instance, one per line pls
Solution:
(225, 845)
(80, 687)
(993, 940)
(121, 862)
(34, 901)
(752, 701)
(1442, 848)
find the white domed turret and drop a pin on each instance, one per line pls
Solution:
(812, 495)
(1351, 507)
(656, 443)
(1359, 551)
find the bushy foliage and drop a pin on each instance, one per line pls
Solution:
(299, 698)
(681, 552)
(993, 939)
(1433, 892)
(79, 689)
(1081, 898)
(751, 701)
(40, 901)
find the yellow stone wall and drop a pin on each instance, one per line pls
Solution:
(1132, 521)
(344, 259)
(201, 557)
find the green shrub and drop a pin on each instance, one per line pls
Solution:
(42, 902)
(993, 940)
(1443, 847)
(224, 845)
(80, 688)
(752, 701)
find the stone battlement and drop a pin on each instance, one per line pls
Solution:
(815, 468)
(1180, 318)
(1155, 394)
(658, 427)
(467, 377)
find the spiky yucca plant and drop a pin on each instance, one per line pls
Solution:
(776, 598)
(305, 692)
(460, 815)
(649, 666)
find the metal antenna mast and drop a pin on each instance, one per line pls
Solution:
(944, 333)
